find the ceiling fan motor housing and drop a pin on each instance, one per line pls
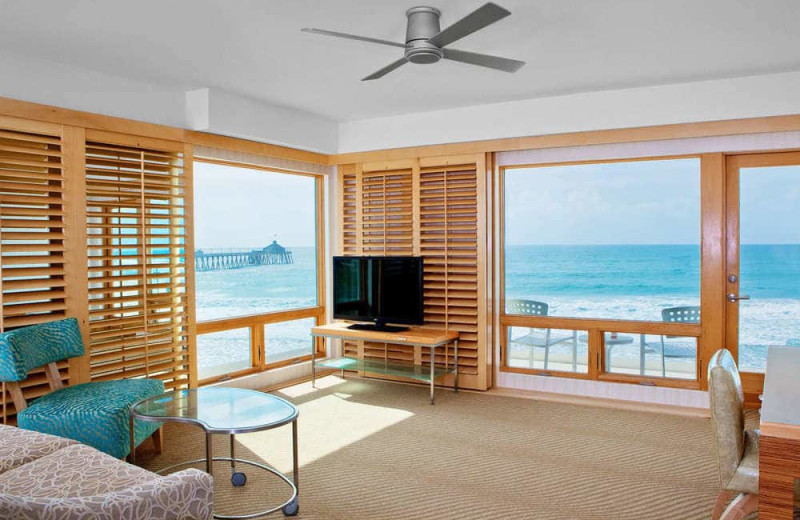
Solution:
(423, 24)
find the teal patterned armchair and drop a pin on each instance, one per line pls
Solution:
(95, 413)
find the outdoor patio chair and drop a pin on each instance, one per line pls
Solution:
(668, 349)
(97, 413)
(540, 338)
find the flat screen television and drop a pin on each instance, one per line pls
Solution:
(379, 290)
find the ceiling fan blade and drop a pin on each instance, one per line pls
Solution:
(353, 37)
(475, 21)
(483, 60)
(387, 69)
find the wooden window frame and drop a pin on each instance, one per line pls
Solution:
(708, 333)
(255, 323)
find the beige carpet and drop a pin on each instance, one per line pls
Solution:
(372, 449)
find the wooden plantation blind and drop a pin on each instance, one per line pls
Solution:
(32, 237)
(138, 305)
(348, 229)
(431, 212)
(386, 229)
(386, 213)
(449, 246)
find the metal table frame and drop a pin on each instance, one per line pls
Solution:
(397, 341)
(289, 507)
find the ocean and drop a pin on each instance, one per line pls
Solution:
(630, 282)
(254, 290)
(635, 282)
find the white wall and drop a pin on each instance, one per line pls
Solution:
(66, 86)
(754, 96)
(220, 112)
(58, 84)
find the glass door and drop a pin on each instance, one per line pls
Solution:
(763, 256)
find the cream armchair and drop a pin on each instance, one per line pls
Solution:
(44, 477)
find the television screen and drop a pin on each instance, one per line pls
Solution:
(385, 289)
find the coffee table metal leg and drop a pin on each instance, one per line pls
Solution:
(132, 456)
(455, 366)
(433, 366)
(233, 453)
(293, 506)
(238, 479)
(295, 459)
(209, 455)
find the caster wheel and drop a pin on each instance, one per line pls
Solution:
(292, 508)
(238, 479)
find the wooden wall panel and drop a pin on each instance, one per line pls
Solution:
(138, 304)
(32, 233)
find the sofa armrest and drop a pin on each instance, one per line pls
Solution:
(185, 495)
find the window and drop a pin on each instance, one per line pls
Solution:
(616, 240)
(651, 355)
(547, 349)
(584, 244)
(769, 262)
(256, 246)
(223, 352)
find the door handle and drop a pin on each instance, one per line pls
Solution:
(733, 298)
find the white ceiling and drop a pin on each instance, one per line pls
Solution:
(255, 48)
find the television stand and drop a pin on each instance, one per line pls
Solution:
(377, 327)
(420, 339)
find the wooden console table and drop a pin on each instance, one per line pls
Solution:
(779, 446)
(417, 337)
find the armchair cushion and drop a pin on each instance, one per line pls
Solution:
(74, 471)
(20, 447)
(77, 482)
(186, 495)
(97, 414)
(26, 348)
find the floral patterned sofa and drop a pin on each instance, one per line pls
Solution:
(44, 477)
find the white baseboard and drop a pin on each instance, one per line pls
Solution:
(658, 395)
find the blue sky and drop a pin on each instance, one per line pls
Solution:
(769, 202)
(642, 202)
(638, 202)
(237, 207)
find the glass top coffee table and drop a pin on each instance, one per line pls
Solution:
(230, 411)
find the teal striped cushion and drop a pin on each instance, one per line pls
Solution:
(96, 414)
(26, 348)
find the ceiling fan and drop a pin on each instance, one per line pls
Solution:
(426, 43)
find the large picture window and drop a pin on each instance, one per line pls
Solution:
(585, 244)
(256, 264)
(614, 240)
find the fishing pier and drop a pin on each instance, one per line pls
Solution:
(219, 259)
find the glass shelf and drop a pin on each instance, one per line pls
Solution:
(394, 368)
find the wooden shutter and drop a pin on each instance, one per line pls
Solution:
(433, 211)
(348, 228)
(449, 246)
(387, 230)
(386, 212)
(138, 305)
(32, 238)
